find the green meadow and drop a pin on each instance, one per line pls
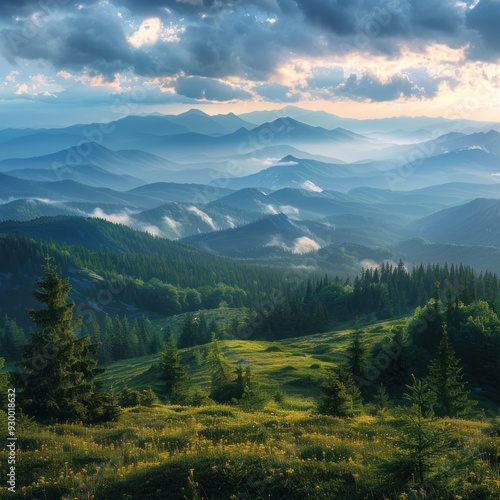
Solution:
(284, 450)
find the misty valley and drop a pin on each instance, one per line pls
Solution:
(266, 305)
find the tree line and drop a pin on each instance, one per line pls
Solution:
(377, 293)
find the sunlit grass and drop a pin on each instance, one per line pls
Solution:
(285, 453)
(220, 452)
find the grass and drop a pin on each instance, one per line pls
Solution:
(293, 365)
(216, 452)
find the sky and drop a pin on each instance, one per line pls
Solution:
(64, 62)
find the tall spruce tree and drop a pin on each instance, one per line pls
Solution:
(188, 336)
(422, 439)
(336, 400)
(174, 374)
(357, 354)
(57, 367)
(445, 380)
(219, 367)
(13, 340)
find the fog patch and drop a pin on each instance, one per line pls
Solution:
(299, 246)
(172, 224)
(305, 245)
(152, 230)
(118, 218)
(203, 216)
(289, 210)
(310, 186)
(230, 222)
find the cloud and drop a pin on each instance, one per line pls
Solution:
(118, 218)
(230, 222)
(76, 42)
(305, 245)
(172, 224)
(152, 230)
(310, 186)
(225, 51)
(484, 18)
(203, 216)
(275, 92)
(206, 88)
(147, 34)
(165, 7)
(268, 208)
(384, 17)
(300, 245)
(289, 210)
(368, 87)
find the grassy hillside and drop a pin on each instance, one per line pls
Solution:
(294, 366)
(226, 452)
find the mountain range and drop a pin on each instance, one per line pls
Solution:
(268, 185)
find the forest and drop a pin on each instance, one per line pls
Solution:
(417, 382)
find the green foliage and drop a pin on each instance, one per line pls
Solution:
(423, 438)
(219, 368)
(189, 334)
(121, 340)
(4, 380)
(149, 397)
(12, 339)
(357, 354)
(445, 380)
(130, 397)
(252, 396)
(173, 373)
(426, 326)
(107, 406)
(382, 400)
(336, 399)
(149, 453)
(57, 368)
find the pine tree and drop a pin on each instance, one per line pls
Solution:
(106, 349)
(445, 380)
(253, 396)
(188, 336)
(57, 368)
(174, 374)
(423, 439)
(218, 366)
(357, 353)
(345, 376)
(401, 360)
(14, 340)
(382, 400)
(336, 399)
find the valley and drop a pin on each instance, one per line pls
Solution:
(257, 301)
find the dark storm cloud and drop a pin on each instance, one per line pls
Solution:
(485, 20)
(275, 92)
(74, 42)
(404, 18)
(209, 89)
(163, 7)
(416, 84)
(247, 39)
(231, 44)
(13, 8)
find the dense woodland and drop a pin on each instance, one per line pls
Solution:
(427, 370)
